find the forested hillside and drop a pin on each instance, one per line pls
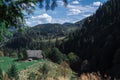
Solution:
(98, 42)
(41, 36)
(51, 30)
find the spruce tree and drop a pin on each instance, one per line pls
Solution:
(13, 72)
(1, 74)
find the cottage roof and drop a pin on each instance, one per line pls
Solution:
(34, 53)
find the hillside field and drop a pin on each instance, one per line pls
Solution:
(55, 71)
(6, 62)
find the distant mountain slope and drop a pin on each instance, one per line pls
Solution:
(53, 29)
(34, 37)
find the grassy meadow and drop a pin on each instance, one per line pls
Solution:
(6, 62)
(25, 68)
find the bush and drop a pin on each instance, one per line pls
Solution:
(44, 70)
(12, 72)
(94, 76)
(1, 74)
(14, 54)
(72, 58)
(1, 53)
(55, 55)
(25, 56)
(32, 76)
(65, 69)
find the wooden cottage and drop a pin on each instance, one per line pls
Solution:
(34, 54)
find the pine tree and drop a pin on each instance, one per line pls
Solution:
(25, 56)
(13, 72)
(1, 74)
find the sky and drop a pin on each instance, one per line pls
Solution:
(76, 10)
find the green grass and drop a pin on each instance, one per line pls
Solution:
(25, 68)
(6, 62)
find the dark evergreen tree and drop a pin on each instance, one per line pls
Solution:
(55, 55)
(13, 72)
(24, 53)
(1, 74)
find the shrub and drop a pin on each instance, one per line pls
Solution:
(44, 71)
(94, 76)
(32, 76)
(13, 54)
(1, 53)
(72, 57)
(55, 55)
(25, 56)
(12, 72)
(65, 69)
(1, 74)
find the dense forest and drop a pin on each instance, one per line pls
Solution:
(98, 42)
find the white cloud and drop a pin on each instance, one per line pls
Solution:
(75, 2)
(44, 17)
(77, 9)
(74, 12)
(40, 19)
(97, 3)
(71, 13)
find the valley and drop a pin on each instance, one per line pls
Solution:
(88, 49)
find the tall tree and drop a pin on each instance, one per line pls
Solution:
(1, 74)
(13, 73)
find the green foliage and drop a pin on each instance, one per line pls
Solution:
(38, 70)
(1, 54)
(14, 54)
(98, 39)
(72, 57)
(1, 74)
(32, 76)
(12, 13)
(46, 31)
(25, 56)
(13, 72)
(19, 55)
(55, 55)
(44, 70)
(64, 70)
(5, 34)
(2, 31)
(39, 37)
